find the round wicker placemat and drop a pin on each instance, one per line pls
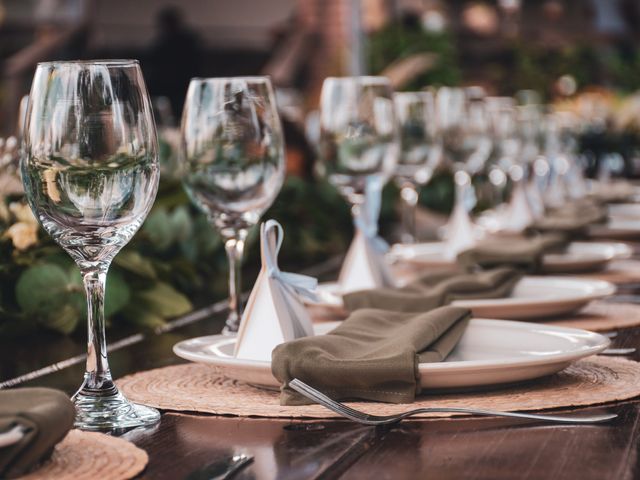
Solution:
(91, 455)
(601, 316)
(201, 388)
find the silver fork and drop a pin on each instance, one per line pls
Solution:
(366, 419)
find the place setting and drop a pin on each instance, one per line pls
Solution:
(451, 341)
(310, 239)
(470, 329)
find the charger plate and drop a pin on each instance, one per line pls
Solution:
(490, 352)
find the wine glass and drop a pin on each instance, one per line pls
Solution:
(358, 140)
(233, 162)
(419, 152)
(90, 171)
(465, 137)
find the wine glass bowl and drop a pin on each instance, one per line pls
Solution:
(358, 138)
(232, 161)
(419, 152)
(90, 171)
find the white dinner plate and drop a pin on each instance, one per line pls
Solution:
(617, 228)
(491, 352)
(532, 297)
(578, 257)
(624, 210)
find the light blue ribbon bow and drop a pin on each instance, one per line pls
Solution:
(272, 235)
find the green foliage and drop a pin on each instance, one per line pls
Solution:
(438, 194)
(395, 42)
(47, 292)
(174, 262)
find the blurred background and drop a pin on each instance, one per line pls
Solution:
(576, 55)
(557, 47)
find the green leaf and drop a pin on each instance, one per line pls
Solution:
(138, 314)
(164, 300)
(42, 288)
(64, 320)
(158, 229)
(181, 224)
(134, 262)
(117, 295)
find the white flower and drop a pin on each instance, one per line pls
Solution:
(23, 213)
(23, 235)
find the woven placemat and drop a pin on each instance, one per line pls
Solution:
(91, 455)
(601, 316)
(201, 388)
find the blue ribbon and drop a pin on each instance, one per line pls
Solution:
(271, 237)
(367, 220)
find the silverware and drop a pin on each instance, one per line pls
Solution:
(366, 419)
(618, 351)
(222, 469)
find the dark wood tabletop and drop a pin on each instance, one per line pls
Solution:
(461, 448)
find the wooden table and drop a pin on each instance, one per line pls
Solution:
(467, 448)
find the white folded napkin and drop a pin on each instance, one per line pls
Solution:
(365, 266)
(275, 312)
(519, 214)
(460, 232)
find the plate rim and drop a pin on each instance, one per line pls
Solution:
(440, 366)
(602, 289)
(596, 258)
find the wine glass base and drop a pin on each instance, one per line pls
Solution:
(113, 412)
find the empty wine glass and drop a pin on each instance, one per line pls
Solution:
(90, 171)
(233, 161)
(419, 152)
(358, 138)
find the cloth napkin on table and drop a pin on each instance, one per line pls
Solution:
(572, 219)
(44, 415)
(436, 289)
(523, 253)
(372, 355)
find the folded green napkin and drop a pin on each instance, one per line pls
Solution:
(572, 219)
(523, 253)
(372, 355)
(436, 289)
(46, 416)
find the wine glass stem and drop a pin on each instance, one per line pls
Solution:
(463, 185)
(235, 248)
(409, 196)
(97, 377)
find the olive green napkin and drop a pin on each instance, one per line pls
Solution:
(46, 415)
(523, 253)
(372, 355)
(572, 219)
(436, 289)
